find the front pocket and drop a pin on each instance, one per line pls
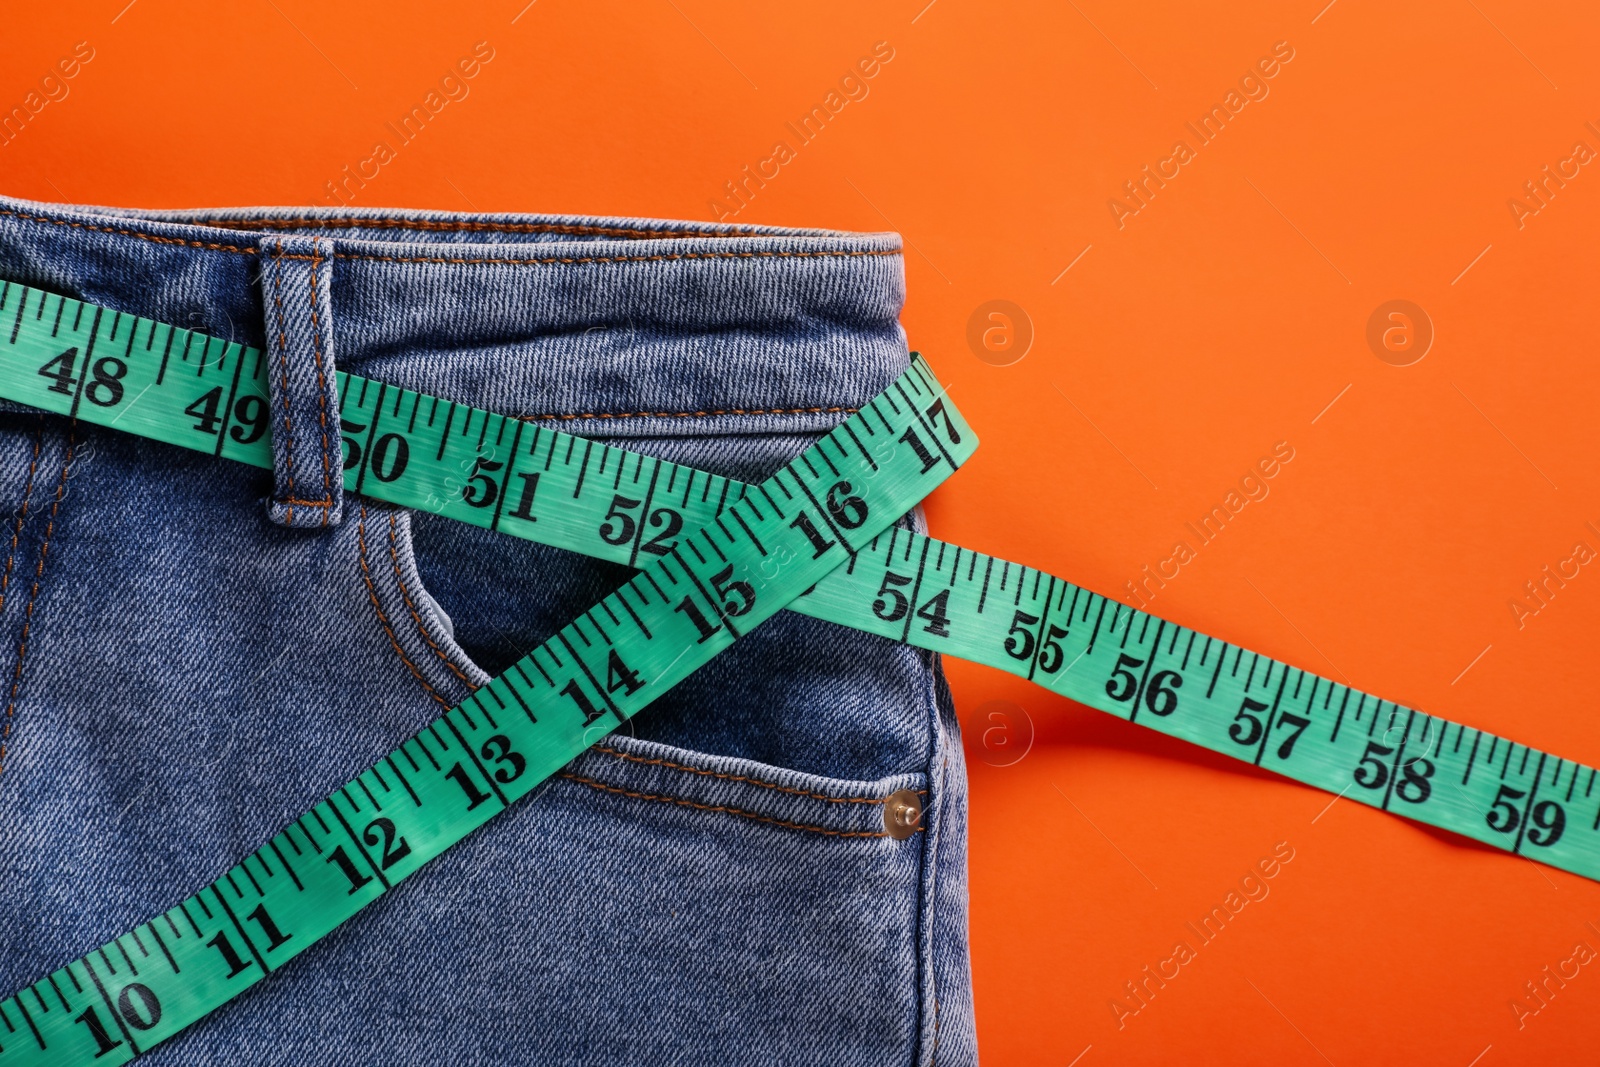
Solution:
(646, 772)
(646, 906)
(649, 903)
(796, 692)
(513, 594)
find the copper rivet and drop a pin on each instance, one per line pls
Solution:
(902, 813)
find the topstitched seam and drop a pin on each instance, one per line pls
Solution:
(681, 802)
(22, 515)
(383, 618)
(394, 641)
(467, 225)
(416, 617)
(215, 247)
(283, 364)
(693, 414)
(662, 257)
(33, 596)
(740, 778)
(933, 902)
(128, 233)
(322, 383)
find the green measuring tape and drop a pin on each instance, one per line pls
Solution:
(717, 558)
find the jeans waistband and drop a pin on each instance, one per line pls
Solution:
(621, 326)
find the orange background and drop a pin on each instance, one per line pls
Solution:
(1222, 318)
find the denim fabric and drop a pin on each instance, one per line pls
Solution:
(187, 665)
(296, 293)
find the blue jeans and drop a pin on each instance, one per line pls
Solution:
(192, 653)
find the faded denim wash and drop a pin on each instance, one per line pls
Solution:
(194, 652)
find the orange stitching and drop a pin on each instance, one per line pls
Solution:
(739, 778)
(440, 259)
(394, 558)
(307, 503)
(724, 810)
(128, 233)
(933, 969)
(322, 382)
(383, 619)
(33, 596)
(694, 414)
(283, 363)
(452, 225)
(27, 494)
(611, 259)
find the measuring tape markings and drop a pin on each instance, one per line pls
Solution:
(476, 468)
(481, 756)
(1225, 698)
(399, 446)
(462, 484)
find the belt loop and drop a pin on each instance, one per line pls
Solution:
(296, 277)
